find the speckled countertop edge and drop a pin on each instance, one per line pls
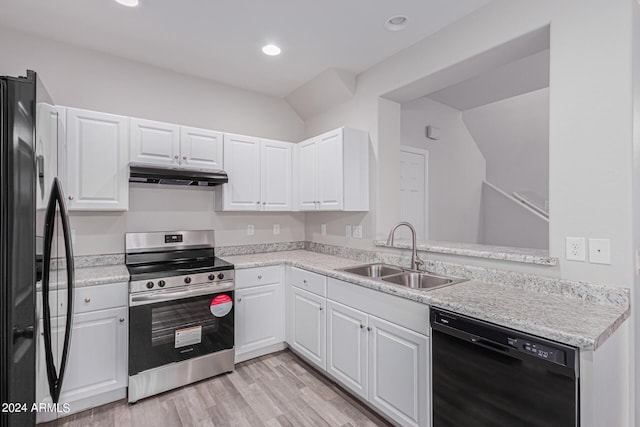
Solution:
(502, 253)
(565, 319)
(90, 276)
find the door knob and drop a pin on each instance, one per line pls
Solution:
(175, 157)
(70, 197)
(87, 299)
(122, 320)
(184, 157)
(239, 299)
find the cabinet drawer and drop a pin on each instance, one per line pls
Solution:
(249, 277)
(309, 281)
(100, 297)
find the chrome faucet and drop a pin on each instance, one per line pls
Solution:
(416, 262)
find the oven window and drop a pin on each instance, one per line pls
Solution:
(171, 331)
(165, 321)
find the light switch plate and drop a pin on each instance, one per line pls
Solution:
(276, 229)
(357, 232)
(599, 251)
(250, 230)
(323, 229)
(347, 231)
(576, 249)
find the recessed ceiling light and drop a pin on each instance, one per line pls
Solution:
(129, 3)
(396, 23)
(271, 50)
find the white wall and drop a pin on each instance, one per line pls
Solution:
(513, 136)
(456, 169)
(590, 119)
(87, 79)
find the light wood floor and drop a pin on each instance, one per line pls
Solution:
(274, 390)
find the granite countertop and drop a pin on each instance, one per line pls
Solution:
(571, 320)
(89, 276)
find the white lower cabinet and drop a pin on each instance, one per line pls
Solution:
(259, 312)
(97, 364)
(258, 318)
(347, 347)
(379, 361)
(308, 322)
(398, 372)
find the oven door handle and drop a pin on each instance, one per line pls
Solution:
(163, 296)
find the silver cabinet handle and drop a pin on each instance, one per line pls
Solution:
(239, 299)
(87, 299)
(259, 276)
(70, 197)
(122, 320)
(184, 157)
(175, 157)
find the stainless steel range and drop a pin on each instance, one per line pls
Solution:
(180, 310)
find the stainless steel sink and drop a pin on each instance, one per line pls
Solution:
(415, 280)
(373, 270)
(400, 276)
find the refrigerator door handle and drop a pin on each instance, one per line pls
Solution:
(57, 199)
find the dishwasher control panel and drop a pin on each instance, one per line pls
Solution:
(538, 350)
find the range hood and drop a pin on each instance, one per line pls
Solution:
(173, 176)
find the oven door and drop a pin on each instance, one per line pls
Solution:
(175, 325)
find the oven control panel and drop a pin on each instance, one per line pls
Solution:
(181, 281)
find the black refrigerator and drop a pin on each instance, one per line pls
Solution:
(36, 256)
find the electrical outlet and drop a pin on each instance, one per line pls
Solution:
(276, 229)
(599, 251)
(576, 249)
(250, 230)
(323, 229)
(357, 232)
(347, 231)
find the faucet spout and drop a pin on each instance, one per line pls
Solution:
(416, 261)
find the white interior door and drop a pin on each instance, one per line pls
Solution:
(413, 192)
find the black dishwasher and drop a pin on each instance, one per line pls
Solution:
(488, 375)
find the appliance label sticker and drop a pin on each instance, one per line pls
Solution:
(188, 336)
(221, 305)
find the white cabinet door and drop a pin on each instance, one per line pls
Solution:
(97, 161)
(155, 143)
(347, 347)
(307, 175)
(200, 148)
(330, 171)
(242, 163)
(276, 165)
(97, 360)
(399, 372)
(258, 318)
(308, 333)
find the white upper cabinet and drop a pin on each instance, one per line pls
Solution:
(166, 144)
(96, 161)
(200, 148)
(155, 143)
(333, 171)
(276, 164)
(259, 173)
(307, 175)
(242, 164)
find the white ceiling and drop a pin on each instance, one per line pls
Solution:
(221, 39)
